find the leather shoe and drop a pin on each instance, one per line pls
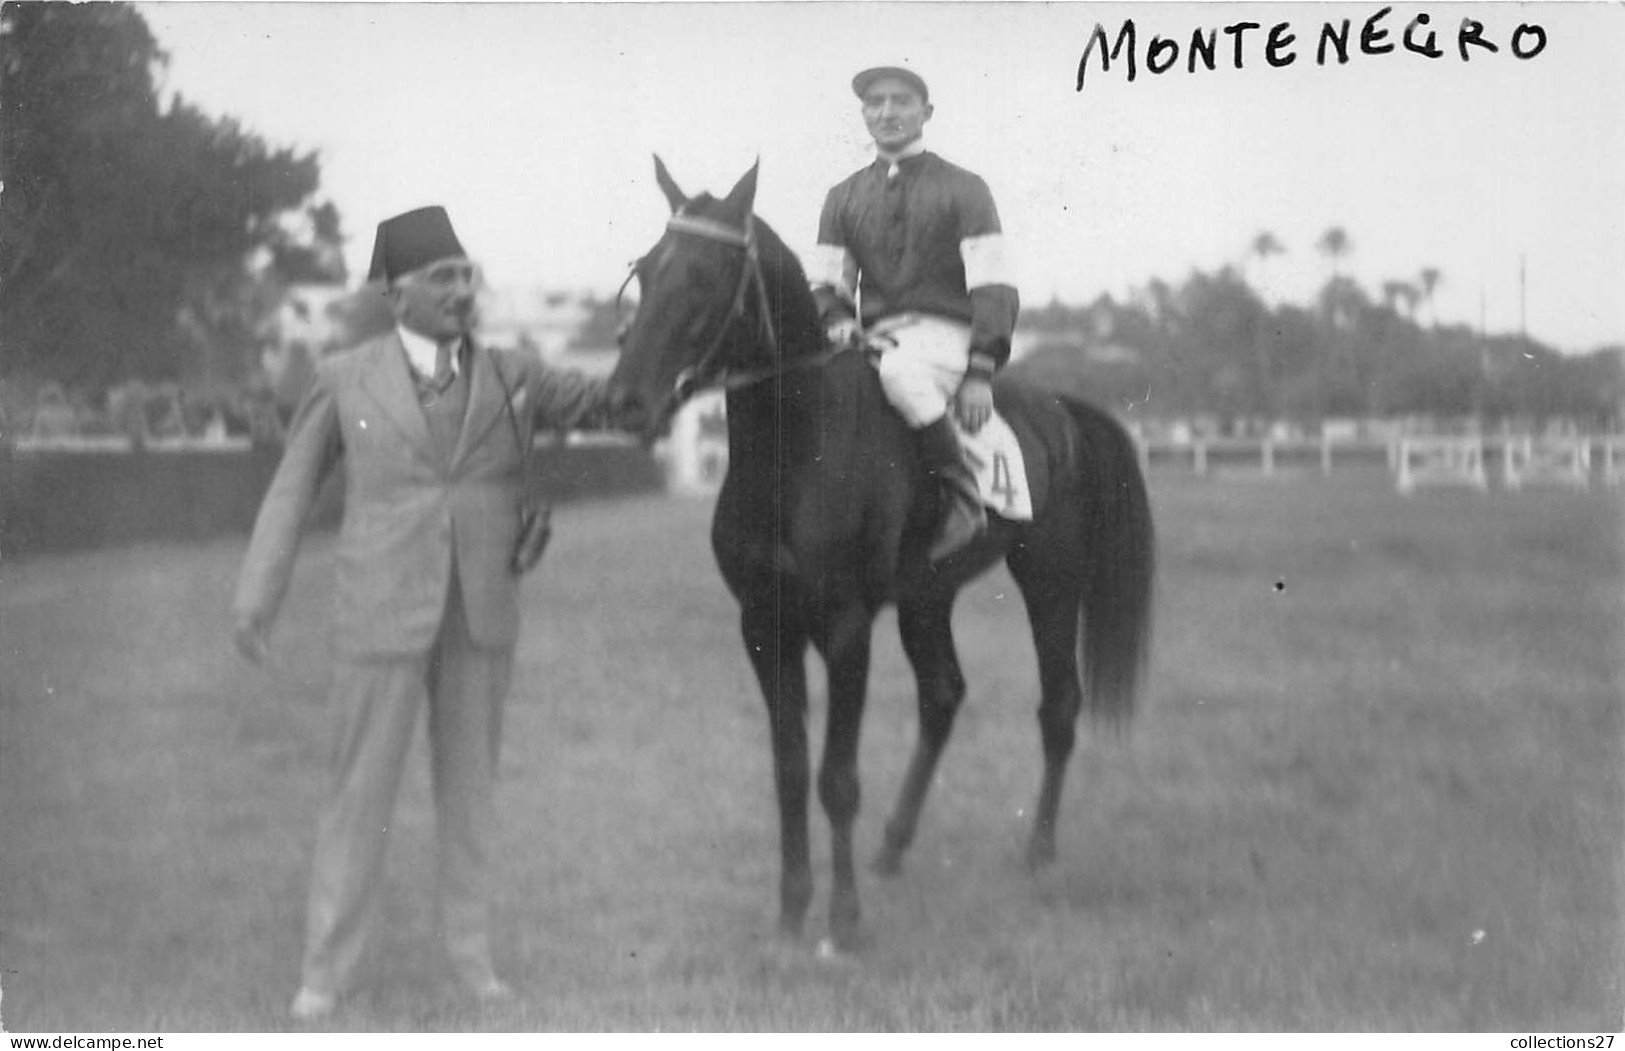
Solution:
(311, 1006)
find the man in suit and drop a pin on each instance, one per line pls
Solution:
(426, 602)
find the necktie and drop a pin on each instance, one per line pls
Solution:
(442, 364)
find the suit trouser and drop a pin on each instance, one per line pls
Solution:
(922, 371)
(374, 707)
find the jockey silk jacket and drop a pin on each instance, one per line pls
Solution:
(921, 235)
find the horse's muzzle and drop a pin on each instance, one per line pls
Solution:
(634, 415)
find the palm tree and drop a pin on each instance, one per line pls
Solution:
(1430, 278)
(1334, 244)
(1401, 297)
(1336, 297)
(1264, 246)
(1163, 308)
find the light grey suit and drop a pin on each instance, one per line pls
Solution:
(426, 612)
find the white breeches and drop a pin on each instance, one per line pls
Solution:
(921, 374)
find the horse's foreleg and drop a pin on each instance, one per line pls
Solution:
(927, 634)
(846, 655)
(1054, 617)
(777, 650)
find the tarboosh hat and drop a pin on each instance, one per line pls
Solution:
(411, 240)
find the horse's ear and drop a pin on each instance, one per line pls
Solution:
(668, 186)
(743, 196)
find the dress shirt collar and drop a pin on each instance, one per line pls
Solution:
(893, 159)
(421, 352)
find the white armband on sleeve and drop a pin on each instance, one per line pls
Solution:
(831, 266)
(984, 261)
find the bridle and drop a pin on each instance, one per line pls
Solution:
(706, 371)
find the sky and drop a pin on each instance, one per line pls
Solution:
(535, 124)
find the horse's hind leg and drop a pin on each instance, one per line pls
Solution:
(925, 624)
(777, 650)
(1052, 609)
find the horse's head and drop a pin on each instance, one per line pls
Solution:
(702, 305)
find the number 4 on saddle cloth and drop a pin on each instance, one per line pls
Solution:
(996, 460)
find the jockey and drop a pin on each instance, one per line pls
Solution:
(910, 250)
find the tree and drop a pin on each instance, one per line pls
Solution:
(313, 251)
(127, 234)
(1400, 296)
(1264, 246)
(1334, 244)
(1216, 348)
(1430, 278)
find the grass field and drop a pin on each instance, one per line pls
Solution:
(1375, 785)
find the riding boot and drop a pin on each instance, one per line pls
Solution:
(964, 518)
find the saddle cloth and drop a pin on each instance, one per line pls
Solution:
(996, 460)
(993, 453)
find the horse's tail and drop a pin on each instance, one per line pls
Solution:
(1119, 544)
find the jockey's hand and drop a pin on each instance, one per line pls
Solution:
(844, 333)
(973, 404)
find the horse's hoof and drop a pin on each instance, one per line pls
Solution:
(1040, 856)
(785, 950)
(845, 932)
(832, 953)
(889, 862)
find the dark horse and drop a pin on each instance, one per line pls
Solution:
(826, 514)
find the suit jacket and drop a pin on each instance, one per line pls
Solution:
(410, 512)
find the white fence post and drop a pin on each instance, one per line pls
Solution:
(1559, 461)
(1613, 452)
(1441, 461)
(1416, 461)
(697, 453)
